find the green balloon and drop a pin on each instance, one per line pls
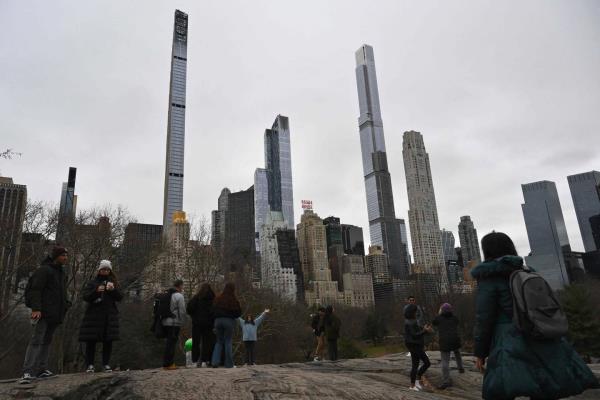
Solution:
(188, 345)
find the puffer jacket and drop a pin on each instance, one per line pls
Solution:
(101, 320)
(48, 291)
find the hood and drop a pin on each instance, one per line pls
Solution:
(499, 267)
(48, 261)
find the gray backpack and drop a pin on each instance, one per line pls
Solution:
(536, 310)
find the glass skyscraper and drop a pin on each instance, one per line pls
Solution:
(261, 203)
(585, 191)
(384, 229)
(173, 200)
(546, 231)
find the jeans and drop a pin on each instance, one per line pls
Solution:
(250, 355)
(172, 337)
(332, 349)
(202, 337)
(446, 364)
(320, 346)
(36, 357)
(224, 330)
(417, 353)
(90, 352)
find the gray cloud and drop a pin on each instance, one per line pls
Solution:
(503, 92)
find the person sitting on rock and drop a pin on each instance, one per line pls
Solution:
(449, 339)
(415, 343)
(249, 329)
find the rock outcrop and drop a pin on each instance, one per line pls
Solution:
(370, 378)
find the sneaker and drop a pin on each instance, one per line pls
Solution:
(414, 388)
(90, 369)
(27, 378)
(45, 374)
(107, 368)
(316, 359)
(170, 367)
(253, 363)
(203, 365)
(418, 385)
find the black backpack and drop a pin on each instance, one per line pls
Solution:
(536, 310)
(160, 311)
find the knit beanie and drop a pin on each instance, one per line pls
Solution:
(58, 251)
(104, 264)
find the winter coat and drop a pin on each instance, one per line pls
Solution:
(317, 324)
(221, 312)
(447, 325)
(101, 319)
(517, 365)
(249, 329)
(48, 291)
(331, 326)
(177, 309)
(413, 333)
(200, 309)
(420, 314)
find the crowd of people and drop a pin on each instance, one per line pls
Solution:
(516, 359)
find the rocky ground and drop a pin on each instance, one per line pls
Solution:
(370, 378)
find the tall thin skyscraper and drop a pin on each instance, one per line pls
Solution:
(422, 214)
(68, 206)
(546, 231)
(261, 203)
(173, 200)
(585, 190)
(469, 243)
(448, 245)
(384, 229)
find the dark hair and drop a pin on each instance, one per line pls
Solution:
(251, 319)
(112, 277)
(227, 299)
(496, 245)
(410, 297)
(410, 312)
(205, 292)
(177, 283)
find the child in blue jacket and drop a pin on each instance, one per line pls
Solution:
(249, 327)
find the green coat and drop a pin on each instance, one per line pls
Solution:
(516, 365)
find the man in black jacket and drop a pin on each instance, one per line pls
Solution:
(447, 326)
(47, 296)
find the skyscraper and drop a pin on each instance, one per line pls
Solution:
(261, 202)
(384, 229)
(422, 214)
(469, 243)
(239, 246)
(352, 239)
(173, 200)
(335, 248)
(13, 199)
(68, 206)
(448, 245)
(546, 232)
(585, 190)
(218, 222)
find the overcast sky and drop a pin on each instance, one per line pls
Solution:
(504, 93)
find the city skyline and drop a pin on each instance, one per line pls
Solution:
(405, 102)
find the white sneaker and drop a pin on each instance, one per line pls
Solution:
(414, 388)
(203, 365)
(418, 385)
(107, 368)
(27, 378)
(316, 359)
(90, 369)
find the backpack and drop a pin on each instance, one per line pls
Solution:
(536, 310)
(161, 310)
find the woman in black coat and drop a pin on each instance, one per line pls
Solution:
(101, 320)
(200, 309)
(447, 326)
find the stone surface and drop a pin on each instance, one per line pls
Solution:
(370, 378)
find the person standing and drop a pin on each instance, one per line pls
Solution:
(46, 295)
(249, 334)
(318, 330)
(226, 309)
(517, 365)
(101, 319)
(449, 339)
(173, 324)
(332, 325)
(200, 309)
(414, 341)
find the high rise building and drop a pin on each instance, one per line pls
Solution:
(13, 200)
(140, 243)
(546, 231)
(469, 243)
(173, 199)
(261, 202)
(352, 239)
(595, 227)
(384, 229)
(68, 206)
(239, 247)
(585, 191)
(320, 289)
(376, 264)
(218, 217)
(422, 214)
(448, 246)
(335, 247)
(280, 262)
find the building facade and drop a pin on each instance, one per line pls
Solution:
(261, 202)
(68, 206)
(422, 214)
(353, 240)
(173, 197)
(384, 228)
(585, 191)
(239, 246)
(469, 242)
(546, 231)
(448, 245)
